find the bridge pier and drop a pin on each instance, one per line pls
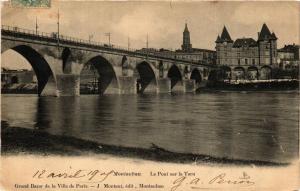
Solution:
(127, 85)
(189, 85)
(178, 87)
(163, 85)
(68, 84)
(50, 89)
(151, 87)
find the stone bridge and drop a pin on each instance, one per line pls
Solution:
(58, 62)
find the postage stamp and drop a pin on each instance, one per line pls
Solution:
(31, 3)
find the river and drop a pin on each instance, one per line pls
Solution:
(237, 125)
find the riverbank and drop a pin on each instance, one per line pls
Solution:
(32, 88)
(17, 140)
(238, 85)
(254, 85)
(21, 88)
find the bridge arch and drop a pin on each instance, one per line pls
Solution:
(175, 75)
(252, 73)
(196, 75)
(146, 77)
(213, 75)
(41, 67)
(265, 72)
(98, 76)
(239, 73)
(226, 73)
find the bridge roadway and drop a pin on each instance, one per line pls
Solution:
(58, 62)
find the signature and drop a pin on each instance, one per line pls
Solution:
(91, 176)
(216, 182)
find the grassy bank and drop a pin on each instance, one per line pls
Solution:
(17, 140)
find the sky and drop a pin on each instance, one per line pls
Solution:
(162, 21)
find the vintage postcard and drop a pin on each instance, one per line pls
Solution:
(150, 95)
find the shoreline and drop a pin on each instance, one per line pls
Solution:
(16, 140)
(232, 86)
(254, 86)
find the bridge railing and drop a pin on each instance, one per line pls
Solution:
(54, 37)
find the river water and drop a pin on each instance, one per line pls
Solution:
(237, 125)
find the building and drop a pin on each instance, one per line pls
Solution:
(186, 41)
(246, 58)
(291, 48)
(195, 54)
(288, 57)
(17, 76)
(187, 52)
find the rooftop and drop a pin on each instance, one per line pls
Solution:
(195, 50)
(265, 34)
(289, 48)
(225, 37)
(250, 42)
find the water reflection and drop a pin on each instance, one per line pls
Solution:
(261, 126)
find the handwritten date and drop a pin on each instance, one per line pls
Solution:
(89, 175)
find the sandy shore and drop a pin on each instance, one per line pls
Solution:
(17, 140)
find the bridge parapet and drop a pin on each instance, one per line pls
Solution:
(63, 40)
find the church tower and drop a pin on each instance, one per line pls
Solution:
(186, 44)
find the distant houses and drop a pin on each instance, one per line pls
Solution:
(288, 57)
(9, 76)
(187, 52)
